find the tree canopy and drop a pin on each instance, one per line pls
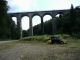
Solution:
(7, 25)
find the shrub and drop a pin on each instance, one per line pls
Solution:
(42, 38)
(63, 36)
(76, 35)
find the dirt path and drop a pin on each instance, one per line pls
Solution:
(7, 41)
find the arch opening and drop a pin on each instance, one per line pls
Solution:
(15, 20)
(36, 27)
(25, 26)
(59, 14)
(47, 17)
(25, 23)
(36, 20)
(59, 18)
(47, 24)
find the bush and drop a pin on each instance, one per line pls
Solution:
(42, 38)
(76, 35)
(63, 36)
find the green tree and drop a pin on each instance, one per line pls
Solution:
(48, 27)
(24, 33)
(37, 29)
(8, 28)
(72, 16)
(3, 20)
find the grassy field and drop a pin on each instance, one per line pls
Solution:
(69, 51)
(34, 50)
(4, 46)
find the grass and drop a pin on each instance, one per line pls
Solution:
(69, 51)
(40, 50)
(42, 38)
(7, 45)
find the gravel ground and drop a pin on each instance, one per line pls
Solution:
(34, 52)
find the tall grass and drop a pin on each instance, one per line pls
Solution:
(44, 38)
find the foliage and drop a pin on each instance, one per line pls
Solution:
(76, 35)
(37, 29)
(24, 33)
(14, 31)
(8, 28)
(70, 22)
(48, 27)
(4, 31)
(42, 38)
(63, 36)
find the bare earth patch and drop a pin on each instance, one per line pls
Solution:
(40, 51)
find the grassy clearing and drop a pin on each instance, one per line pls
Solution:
(7, 45)
(39, 50)
(69, 51)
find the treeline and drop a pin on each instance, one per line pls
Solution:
(66, 24)
(70, 22)
(8, 28)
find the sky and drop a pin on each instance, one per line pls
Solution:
(38, 5)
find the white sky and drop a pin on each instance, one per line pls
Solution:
(38, 5)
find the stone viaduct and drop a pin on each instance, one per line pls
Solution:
(52, 13)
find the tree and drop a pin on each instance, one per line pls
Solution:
(37, 29)
(3, 20)
(48, 27)
(7, 26)
(77, 7)
(24, 33)
(72, 16)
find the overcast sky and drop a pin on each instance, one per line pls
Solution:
(38, 5)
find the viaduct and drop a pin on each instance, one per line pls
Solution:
(52, 13)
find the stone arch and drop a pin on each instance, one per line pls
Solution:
(12, 15)
(14, 19)
(59, 13)
(36, 19)
(46, 17)
(47, 14)
(24, 14)
(35, 14)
